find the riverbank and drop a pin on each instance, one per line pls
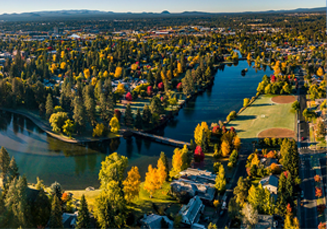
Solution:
(46, 128)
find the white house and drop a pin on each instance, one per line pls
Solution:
(270, 183)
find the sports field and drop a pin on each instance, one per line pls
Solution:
(266, 118)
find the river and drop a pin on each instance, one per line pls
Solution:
(77, 167)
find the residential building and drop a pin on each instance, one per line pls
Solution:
(270, 183)
(192, 211)
(155, 221)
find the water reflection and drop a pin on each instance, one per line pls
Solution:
(77, 166)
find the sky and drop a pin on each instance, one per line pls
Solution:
(19, 6)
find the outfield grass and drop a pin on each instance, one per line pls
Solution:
(261, 115)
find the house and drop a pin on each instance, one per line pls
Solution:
(267, 162)
(69, 220)
(199, 176)
(271, 183)
(155, 221)
(192, 188)
(192, 211)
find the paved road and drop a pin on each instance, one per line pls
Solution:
(240, 171)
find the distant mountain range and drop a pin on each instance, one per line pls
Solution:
(60, 14)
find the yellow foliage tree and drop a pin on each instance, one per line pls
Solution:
(225, 148)
(162, 174)
(320, 72)
(115, 126)
(255, 160)
(132, 184)
(276, 70)
(105, 74)
(98, 130)
(169, 75)
(198, 132)
(63, 66)
(179, 68)
(237, 142)
(177, 163)
(94, 81)
(151, 183)
(54, 57)
(87, 73)
(118, 72)
(120, 89)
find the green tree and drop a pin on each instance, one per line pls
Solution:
(128, 118)
(110, 206)
(220, 184)
(146, 116)
(4, 162)
(41, 210)
(12, 170)
(138, 119)
(112, 169)
(155, 106)
(49, 106)
(55, 220)
(241, 191)
(83, 218)
(79, 113)
(296, 106)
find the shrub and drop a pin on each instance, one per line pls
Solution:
(98, 131)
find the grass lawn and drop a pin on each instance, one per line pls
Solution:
(89, 196)
(261, 115)
(144, 204)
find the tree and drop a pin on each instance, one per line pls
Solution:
(138, 119)
(98, 130)
(250, 214)
(69, 127)
(128, 118)
(177, 163)
(41, 210)
(110, 206)
(318, 192)
(56, 214)
(79, 113)
(114, 123)
(16, 204)
(146, 116)
(12, 170)
(4, 162)
(57, 121)
(155, 106)
(241, 191)
(83, 218)
(225, 148)
(317, 178)
(49, 106)
(296, 106)
(320, 72)
(120, 89)
(246, 102)
(254, 196)
(132, 184)
(151, 183)
(198, 154)
(212, 226)
(112, 169)
(162, 173)
(237, 142)
(164, 160)
(56, 190)
(220, 184)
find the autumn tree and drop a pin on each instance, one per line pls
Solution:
(237, 142)
(241, 191)
(132, 184)
(162, 173)
(98, 131)
(225, 148)
(220, 184)
(49, 106)
(114, 123)
(152, 182)
(246, 102)
(250, 215)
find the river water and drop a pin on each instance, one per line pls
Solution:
(77, 167)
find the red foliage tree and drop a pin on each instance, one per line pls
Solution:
(117, 114)
(149, 90)
(179, 86)
(232, 129)
(198, 154)
(273, 79)
(318, 192)
(215, 129)
(223, 128)
(129, 96)
(286, 174)
(161, 85)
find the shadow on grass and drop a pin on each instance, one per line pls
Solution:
(245, 117)
(262, 105)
